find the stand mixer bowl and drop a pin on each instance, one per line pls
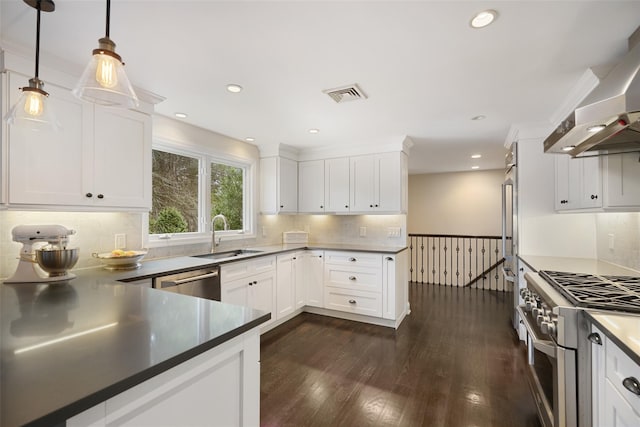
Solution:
(57, 262)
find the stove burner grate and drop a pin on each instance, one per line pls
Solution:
(619, 293)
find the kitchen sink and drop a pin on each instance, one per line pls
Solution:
(228, 254)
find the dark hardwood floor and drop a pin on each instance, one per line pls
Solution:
(455, 361)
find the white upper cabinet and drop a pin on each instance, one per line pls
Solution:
(622, 180)
(311, 186)
(278, 185)
(336, 185)
(578, 183)
(379, 183)
(99, 159)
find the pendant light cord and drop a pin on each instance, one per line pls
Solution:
(108, 18)
(38, 40)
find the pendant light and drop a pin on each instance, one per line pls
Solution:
(104, 81)
(32, 109)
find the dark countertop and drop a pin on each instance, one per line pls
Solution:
(117, 335)
(132, 333)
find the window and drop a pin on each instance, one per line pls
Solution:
(190, 188)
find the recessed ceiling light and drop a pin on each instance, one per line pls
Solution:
(249, 139)
(484, 18)
(313, 131)
(181, 115)
(480, 117)
(568, 148)
(596, 128)
(233, 88)
(476, 156)
(475, 167)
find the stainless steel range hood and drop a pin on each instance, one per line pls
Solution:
(608, 119)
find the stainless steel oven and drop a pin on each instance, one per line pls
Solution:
(202, 283)
(551, 352)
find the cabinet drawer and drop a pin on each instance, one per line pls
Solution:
(240, 269)
(359, 259)
(619, 366)
(366, 303)
(617, 410)
(358, 279)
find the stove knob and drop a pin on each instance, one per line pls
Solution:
(548, 328)
(542, 319)
(529, 303)
(524, 292)
(536, 312)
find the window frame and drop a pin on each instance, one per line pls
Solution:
(205, 157)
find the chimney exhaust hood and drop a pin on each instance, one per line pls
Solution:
(609, 118)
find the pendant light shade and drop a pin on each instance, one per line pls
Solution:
(104, 81)
(32, 109)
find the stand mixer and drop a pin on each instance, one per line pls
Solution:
(43, 265)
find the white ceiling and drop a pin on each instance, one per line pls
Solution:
(425, 70)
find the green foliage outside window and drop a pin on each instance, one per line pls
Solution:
(226, 195)
(169, 220)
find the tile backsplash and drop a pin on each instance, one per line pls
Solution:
(95, 232)
(618, 238)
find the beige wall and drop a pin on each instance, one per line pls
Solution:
(456, 203)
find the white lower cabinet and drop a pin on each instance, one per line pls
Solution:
(615, 388)
(286, 285)
(310, 279)
(250, 283)
(370, 287)
(218, 387)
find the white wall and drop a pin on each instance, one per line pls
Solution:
(456, 203)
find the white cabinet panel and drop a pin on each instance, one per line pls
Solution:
(379, 183)
(122, 158)
(622, 180)
(310, 278)
(311, 186)
(363, 183)
(49, 167)
(286, 285)
(336, 185)
(278, 185)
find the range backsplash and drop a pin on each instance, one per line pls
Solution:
(624, 230)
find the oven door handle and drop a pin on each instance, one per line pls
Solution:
(170, 283)
(548, 347)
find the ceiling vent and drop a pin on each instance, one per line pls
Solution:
(346, 93)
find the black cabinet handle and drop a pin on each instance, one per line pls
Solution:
(89, 195)
(370, 206)
(346, 206)
(100, 196)
(352, 259)
(389, 258)
(594, 196)
(352, 278)
(294, 258)
(250, 284)
(631, 384)
(594, 337)
(281, 206)
(321, 207)
(352, 301)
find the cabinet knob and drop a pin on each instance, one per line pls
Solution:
(281, 206)
(389, 258)
(89, 195)
(346, 206)
(352, 301)
(321, 207)
(352, 259)
(294, 258)
(594, 196)
(370, 206)
(594, 337)
(352, 278)
(376, 206)
(255, 282)
(631, 384)
(100, 196)
(250, 284)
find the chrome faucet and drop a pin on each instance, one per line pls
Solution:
(213, 231)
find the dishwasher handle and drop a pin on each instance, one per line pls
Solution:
(171, 283)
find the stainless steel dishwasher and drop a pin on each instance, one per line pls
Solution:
(202, 283)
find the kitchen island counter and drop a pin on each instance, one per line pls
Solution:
(67, 347)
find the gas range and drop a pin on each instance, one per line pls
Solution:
(618, 293)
